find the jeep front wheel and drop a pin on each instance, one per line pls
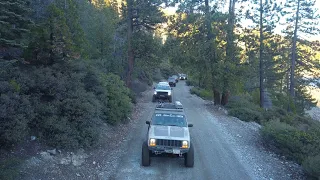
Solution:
(189, 157)
(145, 155)
(153, 99)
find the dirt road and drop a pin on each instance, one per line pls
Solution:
(225, 148)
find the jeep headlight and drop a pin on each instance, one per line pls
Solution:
(155, 92)
(169, 93)
(185, 144)
(152, 142)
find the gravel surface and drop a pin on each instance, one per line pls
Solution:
(225, 148)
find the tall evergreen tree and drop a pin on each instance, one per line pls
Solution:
(302, 20)
(14, 22)
(265, 16)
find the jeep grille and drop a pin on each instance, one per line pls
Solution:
(162, 93)
(171, 143)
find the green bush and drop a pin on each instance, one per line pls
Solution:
(276, 113)
(300, 144)
(15, 112)
(195, 90)
(205, 94)
(289, 140)
(312, 166)
(63, 104)
(9, 168)
(119, 102)
(243, 101)
(246, 114)
(191, 82)
(133, 97)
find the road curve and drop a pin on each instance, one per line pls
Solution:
(214, 156)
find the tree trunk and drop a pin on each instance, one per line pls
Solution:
(230, 46)
(261, 58)
(130, 49)
(293, 54)
(216, 97)
(225, 98)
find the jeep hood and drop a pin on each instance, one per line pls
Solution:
(161, 90)
(169, 132)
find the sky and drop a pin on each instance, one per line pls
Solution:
(171, 11)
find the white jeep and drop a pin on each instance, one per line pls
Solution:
(168, 133)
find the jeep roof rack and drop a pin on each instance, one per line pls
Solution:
(176, 106)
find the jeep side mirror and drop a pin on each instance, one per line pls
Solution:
(147, 122)
(190, 125)
(154, 87)
(171, 88)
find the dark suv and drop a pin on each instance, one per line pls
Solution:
(172, 81)
(176, 78)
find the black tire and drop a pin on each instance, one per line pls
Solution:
(189, 157)
(170, 99)
(174, 85)
(153, 99)
(145, 158)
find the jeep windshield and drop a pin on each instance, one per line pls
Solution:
(169, 120)
(171, 79)
(163, 87)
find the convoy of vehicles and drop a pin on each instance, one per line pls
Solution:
(163, 90)
(168, 134)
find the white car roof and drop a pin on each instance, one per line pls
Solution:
(166, 83)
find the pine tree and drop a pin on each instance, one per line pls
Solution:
(267, 12)
(14, 22)
(52, 41)
(70, 8)
(302, 20)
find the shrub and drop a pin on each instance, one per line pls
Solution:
(63, 104)
(275, 113)
(246, 114)
(13, 118)
(284, 137)
(133, 97)
(9, 168)
(242, 101)
(67, 114)
(15, 112)
(195, 90)
(191, 82)
(205, 94)
(119, 103)
(312, 166)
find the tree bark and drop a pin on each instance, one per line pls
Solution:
(230, 46)
(230, 57)
(293, 54)
(261, 58)
(130, 49)
(225, 98)
(216, 97)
